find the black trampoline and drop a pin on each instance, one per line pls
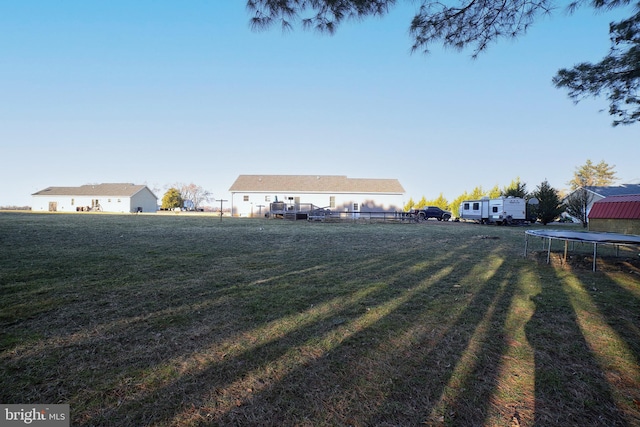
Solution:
(595, 238)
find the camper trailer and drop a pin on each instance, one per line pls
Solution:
(503, 210)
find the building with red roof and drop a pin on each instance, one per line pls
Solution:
(616, 214)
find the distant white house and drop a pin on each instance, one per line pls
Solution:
(96, 197)
(251, 195)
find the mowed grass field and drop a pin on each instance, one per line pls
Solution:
(169, 320)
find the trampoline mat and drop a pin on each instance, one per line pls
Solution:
(588, 236)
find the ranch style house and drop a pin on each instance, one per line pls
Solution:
(252, 195)
(96, 198)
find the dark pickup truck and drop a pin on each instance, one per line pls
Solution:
(427, 212)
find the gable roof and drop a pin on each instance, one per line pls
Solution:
(614, 190)
(314, 184)
(617, 207)
(113, 190)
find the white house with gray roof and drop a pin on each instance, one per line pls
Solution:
(251, 195)
(599, 193)
(96, 198)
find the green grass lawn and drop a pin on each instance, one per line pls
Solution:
(169, 320)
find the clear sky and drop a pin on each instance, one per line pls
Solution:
(159, 92)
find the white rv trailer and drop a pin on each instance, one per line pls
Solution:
(503, 210)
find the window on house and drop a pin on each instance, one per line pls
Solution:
(355, 207)
(267, 198)
(332, 202)
(73, 202)
(245, 198)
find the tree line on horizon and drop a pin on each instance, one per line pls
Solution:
(551, 202)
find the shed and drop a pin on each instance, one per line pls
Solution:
(598, 193)
(616, 214)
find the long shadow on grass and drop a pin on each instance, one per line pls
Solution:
(474, 392)
(612, 308)
(570, 387)
(616, 304)
(394, 371)
(106, 341)
(221, 373)
(226, 383)
(135, 383)
(454, 380)
(309, 373)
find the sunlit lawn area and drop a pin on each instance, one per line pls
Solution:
(139, 320)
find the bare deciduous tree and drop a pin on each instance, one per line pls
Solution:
(577, 204)
(193, 195)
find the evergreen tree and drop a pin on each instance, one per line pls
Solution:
(604, 174)
(589, 174)
(477, 193)
(515, 189)
(172, 199)
(495, 192)
(422, 203)
(455, 205)
(409, 206)
(549, 207)
(440, 202)
(617, 75)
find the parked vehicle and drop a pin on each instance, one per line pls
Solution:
(427, 212)
(501, 211)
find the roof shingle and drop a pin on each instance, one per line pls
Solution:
(615, 190)
(314, 184)
(113, 190)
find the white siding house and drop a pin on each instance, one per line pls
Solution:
(251, 195)
(98, 197)
(599, 193)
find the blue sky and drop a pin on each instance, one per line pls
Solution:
(163, 92)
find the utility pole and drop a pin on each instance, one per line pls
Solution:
(221, 201)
